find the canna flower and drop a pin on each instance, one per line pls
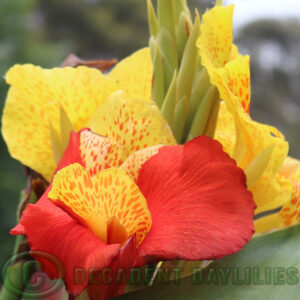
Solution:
(162, 203)
(258, 149)
(42, 106)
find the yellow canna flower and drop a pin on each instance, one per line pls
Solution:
(257, 148)
(42, 106)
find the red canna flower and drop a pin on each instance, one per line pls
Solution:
(168, 202)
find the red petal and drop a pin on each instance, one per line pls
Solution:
(198, 200)
(52, 231)
(17, 230)
(127, 258)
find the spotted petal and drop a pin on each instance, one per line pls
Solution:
(217, 52)
(134, 75)
(135, 161)
(252, 139)
(95, 200)
(215, 41)
(34, 100)
(225, 131)
(99, 152)
(290, 211)
(131, 123)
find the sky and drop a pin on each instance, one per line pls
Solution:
(249, 10)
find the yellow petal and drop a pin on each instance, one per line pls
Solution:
(289, 215)
(239, 79)
(229, 72)
(34, 100)
(233, 83)
(258, 165)
(225, 131)
(132, 123)
(268, 223)
(99, 153)
(252, 137)
(270, 190)
(215, 40)
(134, 162)
(291, 169)
(221, 57)
(96, 201)
(134, 75)
(290, 212)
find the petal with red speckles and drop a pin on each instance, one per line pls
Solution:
(131, 123)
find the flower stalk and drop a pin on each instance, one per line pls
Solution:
(181, 86)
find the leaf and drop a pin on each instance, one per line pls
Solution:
(179, 118)
(165, 18)
(183, 31)
(200, 87)
(158, 88)
(152, 19)
(169, 102)
(188, 63)
(168, 47)
(267, 268)
(204, 113)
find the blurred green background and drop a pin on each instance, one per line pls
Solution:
(45, 32)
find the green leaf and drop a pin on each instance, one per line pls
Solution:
(158, 89)
(267, 268)
(167, 46)
(204, 113)
(180, 6)
(179, 118)
(211, 124)
(200, 87)
(188, 63)
(168, 108)
(183, 31)
(152, 19)
(152, 45)
(184, 25)
(168, 49)
(165, 15)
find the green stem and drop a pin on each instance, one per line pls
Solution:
(16, 277)
(17, 271)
